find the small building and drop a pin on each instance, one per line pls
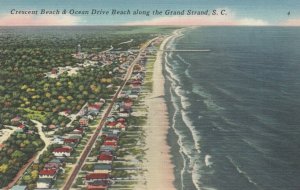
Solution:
(62, 152)
(102, 168)
(110, 143)
(71, 141)
(58, 140)
(44, 183)
(91, 177)
(115, 125)
(110, 119)
(54, 71)
(52, 126)
(111, 138)
(83, 122)
(16, 120)
(111, 133)
(19, 187)
(127, 103)
(95, 107)
(78, 131)
(136, 82)
(121, 120)
(48, 173)
(52, 165)
(124, 114)
(133, 95)
(105, 158)
(59, 161)
(98, 187)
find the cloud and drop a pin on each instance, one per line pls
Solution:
(292, 22)
(251, 22)
(202, 20)
(41, 20)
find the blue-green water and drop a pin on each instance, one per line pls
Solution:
(235, 111)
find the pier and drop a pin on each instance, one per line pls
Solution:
(186, 50)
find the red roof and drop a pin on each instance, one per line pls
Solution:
(121, 120)
(70, 140)
(52, 126)
(127, 101)
(47, 172)
(17, 118)
(105, 157)
(96, 105)
(114, 124)
(21, 126)
(136, 82)
(78, 131)
(100, 187)
(62, 150)
(111, 124)
(109, 143)
(108, 138)
(97, 176)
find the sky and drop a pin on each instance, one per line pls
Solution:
(243, 12)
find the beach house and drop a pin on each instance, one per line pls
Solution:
(44, 183)
(48, 173)
(92, 177)
(105, 158)
(102, 168)
(62, 152)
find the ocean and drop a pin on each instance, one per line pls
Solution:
(234, 110)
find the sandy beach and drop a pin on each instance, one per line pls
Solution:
(160, 174)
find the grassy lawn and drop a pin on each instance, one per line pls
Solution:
(40, 116)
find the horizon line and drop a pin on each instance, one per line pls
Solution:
(124, 25)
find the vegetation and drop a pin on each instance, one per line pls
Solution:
(19, 148)
(26, 56)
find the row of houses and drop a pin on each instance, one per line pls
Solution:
(65, 146)
(100, 178)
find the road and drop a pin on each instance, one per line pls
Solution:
(46, 140)
(93, 139)
(19, 174)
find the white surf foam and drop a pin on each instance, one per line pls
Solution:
(186, 149)
(169, 68)
(184, 100)
(208, 100)
(208, 161)
(182, 149)
(189, 124)
(196, 175)
(187, 70)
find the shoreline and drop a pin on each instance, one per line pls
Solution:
(159, 165)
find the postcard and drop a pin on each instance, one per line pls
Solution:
(144, 95)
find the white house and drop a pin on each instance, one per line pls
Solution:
(44, 183)
(62, 152)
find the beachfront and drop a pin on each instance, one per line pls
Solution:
(160, 173)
